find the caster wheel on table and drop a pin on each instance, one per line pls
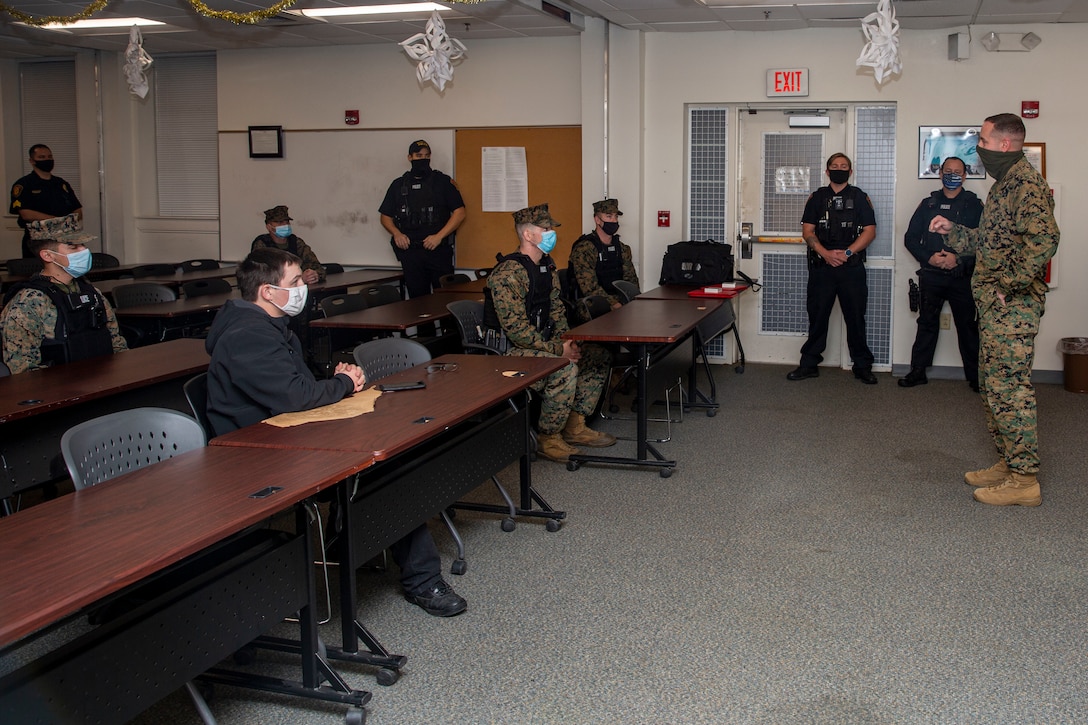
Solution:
(387, 676)
(458, 567)
(552, 525)
(711, 412)
(573, 465)
(738, 369)
(355, 716)
(508, 524)
(666, 472)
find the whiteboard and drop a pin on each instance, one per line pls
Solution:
(333, 183)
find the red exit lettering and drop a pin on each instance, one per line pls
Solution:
(788, 81)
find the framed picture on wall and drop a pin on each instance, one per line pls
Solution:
(266, 142)
(1035, 153)
(937, 143)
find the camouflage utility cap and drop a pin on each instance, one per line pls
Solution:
(607, 206)
(537, 215)
(276, 214)
(67, 229)
(416, 146)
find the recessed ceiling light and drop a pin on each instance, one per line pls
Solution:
(102, 23)
(371, 10)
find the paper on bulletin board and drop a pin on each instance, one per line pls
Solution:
(505, 178)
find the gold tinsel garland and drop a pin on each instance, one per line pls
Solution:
(237, 18)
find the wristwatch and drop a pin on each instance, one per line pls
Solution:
(849, 253)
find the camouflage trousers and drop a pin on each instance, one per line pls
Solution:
(1006, 353)
(576, 387)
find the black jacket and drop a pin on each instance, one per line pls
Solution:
(965, 208)
(258, 370)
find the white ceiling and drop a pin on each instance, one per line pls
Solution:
(189, 31)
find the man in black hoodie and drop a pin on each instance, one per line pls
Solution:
(258, 371)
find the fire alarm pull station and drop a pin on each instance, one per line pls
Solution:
(351, 118)
(663, 218)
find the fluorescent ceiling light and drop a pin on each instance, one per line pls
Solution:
(102, 23)
(372, 10)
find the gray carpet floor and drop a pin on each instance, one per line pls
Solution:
(816, 558)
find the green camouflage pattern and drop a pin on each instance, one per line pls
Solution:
(607, 206)
(538, 215)
(583, 259)
(1015, 239)
(575, 387)
(29, 318)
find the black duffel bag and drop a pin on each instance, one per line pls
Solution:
(697, 264)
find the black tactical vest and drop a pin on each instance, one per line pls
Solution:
(538, 303)
(417, 206)
(838, 224)
(81, 331)
(609, 263)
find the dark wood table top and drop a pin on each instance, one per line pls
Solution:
(335, 283)
(77, 549)
(476, 285)
(107, 286)
(406, 418)
(646, 321)
(180, 278)
(677, 292)
(65, 385)
(183, 306)
(397, 315)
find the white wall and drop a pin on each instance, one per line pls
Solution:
(731, 67)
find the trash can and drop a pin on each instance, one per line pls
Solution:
(1075, 357)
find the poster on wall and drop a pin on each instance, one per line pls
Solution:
(937, 143)
(505, 177)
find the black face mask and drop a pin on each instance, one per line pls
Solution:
(610, 228)
(45, 165)
(421, 167)
(838, 176)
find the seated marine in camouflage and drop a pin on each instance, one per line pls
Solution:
(522, 300)
(57, 316)
(599, 258)
(280, 236)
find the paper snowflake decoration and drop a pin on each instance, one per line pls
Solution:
(435, 52)
(137, 61)
(881, 52)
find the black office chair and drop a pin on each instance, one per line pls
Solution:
(483, 272)
(381, 358)
(627, 290)
(333, 268)
(594, 306)
(448, 280)
(195, 265)
(101, 260)
(24, 267)
(341, 304)
(339, 344)
(469, 315)
(196, 394)
(381, 294)
(100, 449)
(142, 293)
(154, 270)
(205, 287)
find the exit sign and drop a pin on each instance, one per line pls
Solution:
(787, 82)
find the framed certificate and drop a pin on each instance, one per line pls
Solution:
(266, 142)
(1036, 156)
(937, 143)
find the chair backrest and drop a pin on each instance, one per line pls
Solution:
(447, 280)
(628, 290)
(334, 305)
(101, 448)
(469, 315)
(381, 294)
(385, 356)
(595, 305)
(196, 392)
(101, 260)
(333, 268)
(142, 293)
(203, 287)
(24, 266)
(154, 270)
(483, 272)
(193, 265)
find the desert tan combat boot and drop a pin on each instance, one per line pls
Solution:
(577, 433)
(991, 476)
(554, 448)
(1018, 489)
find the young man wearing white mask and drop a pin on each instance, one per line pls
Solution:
(57, 316)
(258, 370)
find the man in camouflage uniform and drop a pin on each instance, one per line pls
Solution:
(599, 258)
(1015, 239)
(522, 299)
(278, 223)
(34, 335)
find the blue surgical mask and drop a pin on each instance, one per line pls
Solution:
(79, 263)
(283, 231)
(547, 241)
(952, 181)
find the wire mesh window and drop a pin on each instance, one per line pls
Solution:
(708, 172)
(874, 172)
(878, 314)
(48, 109)
(792, 169)
(782, 309)
(187, 136)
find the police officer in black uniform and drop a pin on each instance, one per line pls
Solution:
(41, 195)
(421, 210)
(944, 275)
(837, 225)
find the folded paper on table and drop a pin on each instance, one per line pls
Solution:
(356, 405)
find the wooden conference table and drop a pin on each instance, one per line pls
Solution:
(397, 316)
(643, 325)
(171, 548)
(430, 447)
(476, 285)
(36, 407)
